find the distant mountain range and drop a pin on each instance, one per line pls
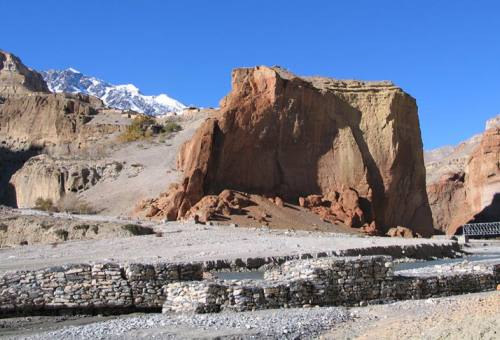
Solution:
(125, 97)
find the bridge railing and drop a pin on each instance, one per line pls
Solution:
(481, 229)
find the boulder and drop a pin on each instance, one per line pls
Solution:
(400, 232)
(276, 132)
(370, 229)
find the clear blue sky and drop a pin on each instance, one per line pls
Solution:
(444, 53)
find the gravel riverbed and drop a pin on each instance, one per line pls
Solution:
(266, 324)
(469, 316)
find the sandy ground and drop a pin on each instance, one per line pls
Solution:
(472, 316)
(192, 242)
(156, 164)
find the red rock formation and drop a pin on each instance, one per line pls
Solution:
(472, 194)
(279, 134)
(400, 232)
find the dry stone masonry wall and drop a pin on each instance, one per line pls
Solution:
(322, 282)
(181, 288)
(91, 287)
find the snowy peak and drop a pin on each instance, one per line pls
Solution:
(125, 97)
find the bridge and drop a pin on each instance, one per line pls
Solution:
(481, 229)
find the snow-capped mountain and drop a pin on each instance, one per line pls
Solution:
(125, 97)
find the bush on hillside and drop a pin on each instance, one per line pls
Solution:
(138, 230)
(137, 130)
(45, 204)
(74, 205)
(145, 127)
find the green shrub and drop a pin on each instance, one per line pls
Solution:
(138, 230)
(62, 234)
(138, 129)
(46, 225)
(74, 205)
(83, 227)
(145, 127)
(45, 204)
(171, 127)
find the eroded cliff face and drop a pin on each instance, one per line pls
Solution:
(281, 135)
(48, 178)
(33, 120)
(470, 191)
(17, 79)
(45, 120)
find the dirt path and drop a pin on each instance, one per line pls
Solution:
(472, 316)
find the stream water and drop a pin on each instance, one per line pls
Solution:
(477, 258)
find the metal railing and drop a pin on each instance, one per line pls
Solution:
(480, 229)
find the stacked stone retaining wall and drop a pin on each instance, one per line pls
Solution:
(323, 282)
(92, 287)
(178, 287)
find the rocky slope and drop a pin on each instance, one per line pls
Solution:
(125, 97)
(463, 184)
(280, 135)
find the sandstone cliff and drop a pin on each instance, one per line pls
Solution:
(464, 185)
(48, 178)
(33, 120)
(31, 116)
(17, 79)
(281, 135)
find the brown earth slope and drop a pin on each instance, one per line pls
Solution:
(281, 135)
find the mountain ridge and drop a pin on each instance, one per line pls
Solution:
(122, 96)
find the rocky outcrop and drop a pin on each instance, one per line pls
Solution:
(49, 178)
(47, 120)
(31, 116)
(17, 79)
(471, 193)
(282, 135)
(340, 207)
(33, 120)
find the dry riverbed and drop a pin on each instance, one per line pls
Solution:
(471, 316)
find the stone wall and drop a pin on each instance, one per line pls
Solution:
(178, 287)
(421, 251)
(322, 282)
(92, 287)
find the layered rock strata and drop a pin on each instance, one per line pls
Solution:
(281, 135)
